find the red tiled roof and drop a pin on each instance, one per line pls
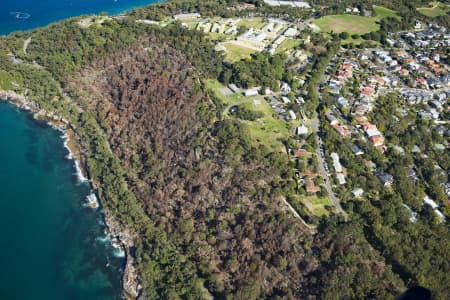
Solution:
(311, 186)
(421, 80)
(401, 53)
(378, 79)
(342, 130)
(368, 91)
(377, 140)
(301, 153)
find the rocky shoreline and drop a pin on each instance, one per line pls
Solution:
(120, 237)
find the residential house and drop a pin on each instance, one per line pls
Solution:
(417, 25)
(292, 114)
(341, 178)
(187, 16)
(377, 140)
(371, 165)
(342, 130)
(371, 130)
(343, 102)
(301, 153)
(285, 88)
(385, 178)
(311, 187)
(251, 92)
(290, 32)
(367, 91)
(357, 192)
(332, 119)
(422, 81)
(336, 163)
(302, 130)
(358, 151)
(286, 100)
(403, 72)
(411, 174)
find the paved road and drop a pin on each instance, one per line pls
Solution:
(408, 89)
(315, 125)
(322, 171)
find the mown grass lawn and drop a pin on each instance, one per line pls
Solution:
(317, 205)
(436, 9)
(235, 52)
(354, 23)
(347, 23)
(287, 44)
(255, 23)
(267, 130)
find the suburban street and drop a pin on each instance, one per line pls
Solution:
(315, 125)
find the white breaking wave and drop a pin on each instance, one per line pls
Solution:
(103, 239)
(66, 145)
(70, 155)
(118, 249)
(119, 252)
(92, 201)
(79, 173)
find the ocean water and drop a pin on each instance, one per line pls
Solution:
(43, 12)
(52, 246)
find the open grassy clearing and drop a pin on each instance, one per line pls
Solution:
(436, 9)
(358, 41)
(191, 25)
(347, 23)
(317, 205)
(255, 23)
(288, 44)
(217, 36)
(383, 12)
(268, 130)
(235, 52)
(354, 23)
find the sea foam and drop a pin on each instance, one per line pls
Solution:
(92, 201)
(79, 173)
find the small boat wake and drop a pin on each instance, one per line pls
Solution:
(20, 16)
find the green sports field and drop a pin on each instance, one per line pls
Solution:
(354, 24)
(347, 23)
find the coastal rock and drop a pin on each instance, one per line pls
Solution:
(131, 285)
(124, 238)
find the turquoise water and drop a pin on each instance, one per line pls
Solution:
(52, 247)
(44, 12)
